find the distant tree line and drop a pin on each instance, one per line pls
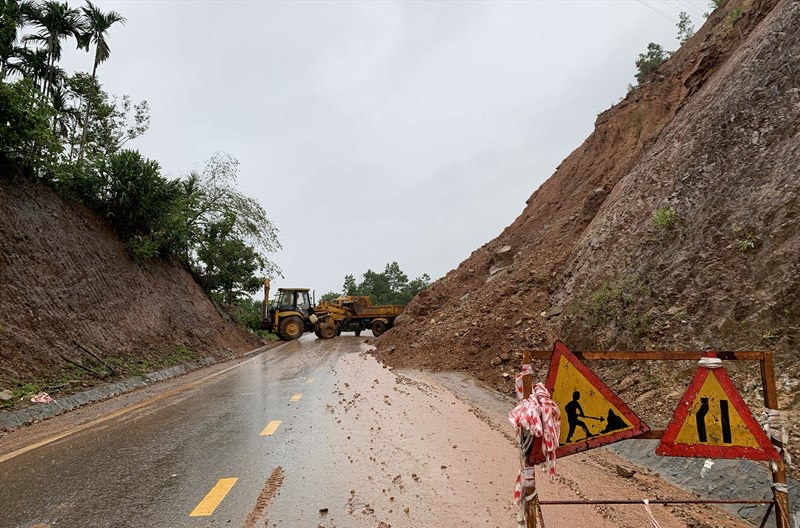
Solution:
(66, 131)
(390, 287)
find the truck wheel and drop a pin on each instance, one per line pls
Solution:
(327, 331)
(290, 328)
(317, 332)
(378, 327)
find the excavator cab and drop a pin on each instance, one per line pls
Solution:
(292, 299)
(290, 314)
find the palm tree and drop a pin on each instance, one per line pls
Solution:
(56, 21)
(64, 114)
(97, 25)
(31, 64)
(12, 18)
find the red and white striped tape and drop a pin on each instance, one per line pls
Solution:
(539, 415)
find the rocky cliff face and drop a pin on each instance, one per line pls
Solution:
(66, 279)
(673, 227)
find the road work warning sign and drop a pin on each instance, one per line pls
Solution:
(713, 421)
(592, 415)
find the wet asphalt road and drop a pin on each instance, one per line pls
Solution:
(358, 446)
(154, 466)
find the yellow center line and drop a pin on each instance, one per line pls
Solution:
(296, 397)
(270, 428)
(310, 379)
(214, 497)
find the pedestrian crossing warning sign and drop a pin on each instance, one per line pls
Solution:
(592, 415)
(713, 421)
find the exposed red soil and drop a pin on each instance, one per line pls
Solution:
(66, 278)
(673, 227)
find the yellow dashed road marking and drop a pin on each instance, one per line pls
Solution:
(297, 397)
(214, 497)
(271, 428)
(310, 379)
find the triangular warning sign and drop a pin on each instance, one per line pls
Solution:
(713, 421)
(591, 414)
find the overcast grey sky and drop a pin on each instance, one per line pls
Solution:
(374, 132)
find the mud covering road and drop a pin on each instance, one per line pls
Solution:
(313, 434)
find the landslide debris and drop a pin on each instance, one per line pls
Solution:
(674, 226)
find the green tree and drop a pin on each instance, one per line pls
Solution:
(227, 265)
(685, 27)
(56, 21)
(30, 64)
(329, 296)
(26, 138)
(350, 285)
(390, 287)
(212, 196)
(246, 311)
(135, 198)
(11, 21)
(64, 114)
(648, 63)
(395, 276)
(112, 122)
(97, 25)
(376, 285)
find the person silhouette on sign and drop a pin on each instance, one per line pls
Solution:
(574, 414)
(613, 422)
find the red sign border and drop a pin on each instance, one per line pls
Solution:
(639, 428)
(668, 447)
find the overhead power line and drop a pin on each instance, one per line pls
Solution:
(656, 10)
(684, 7)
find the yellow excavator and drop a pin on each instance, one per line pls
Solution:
(292, 313)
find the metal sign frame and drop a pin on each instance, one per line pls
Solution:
(780, 501)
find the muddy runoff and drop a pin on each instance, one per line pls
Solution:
(407, 449)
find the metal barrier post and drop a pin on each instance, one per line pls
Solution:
(779, 469)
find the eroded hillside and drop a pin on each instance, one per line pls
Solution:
(674, 226)
(65, 280)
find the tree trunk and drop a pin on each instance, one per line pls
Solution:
(88, 108)
(51, 62)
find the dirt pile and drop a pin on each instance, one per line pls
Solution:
(674, 226)
(66, 279)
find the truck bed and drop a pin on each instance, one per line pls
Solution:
(387, 310)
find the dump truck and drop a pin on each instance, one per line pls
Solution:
(352, 313)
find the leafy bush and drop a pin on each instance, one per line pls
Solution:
(26, 138)
(665, 219)
(616, 303)
(648, 63)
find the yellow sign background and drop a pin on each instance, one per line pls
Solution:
(593, 403)
(740, 433)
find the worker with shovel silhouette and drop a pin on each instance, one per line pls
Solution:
(574, 414)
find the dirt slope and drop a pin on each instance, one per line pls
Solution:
(64, 277)
(674, 226)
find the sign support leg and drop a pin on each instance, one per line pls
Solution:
(530, 506)
(779, 467)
